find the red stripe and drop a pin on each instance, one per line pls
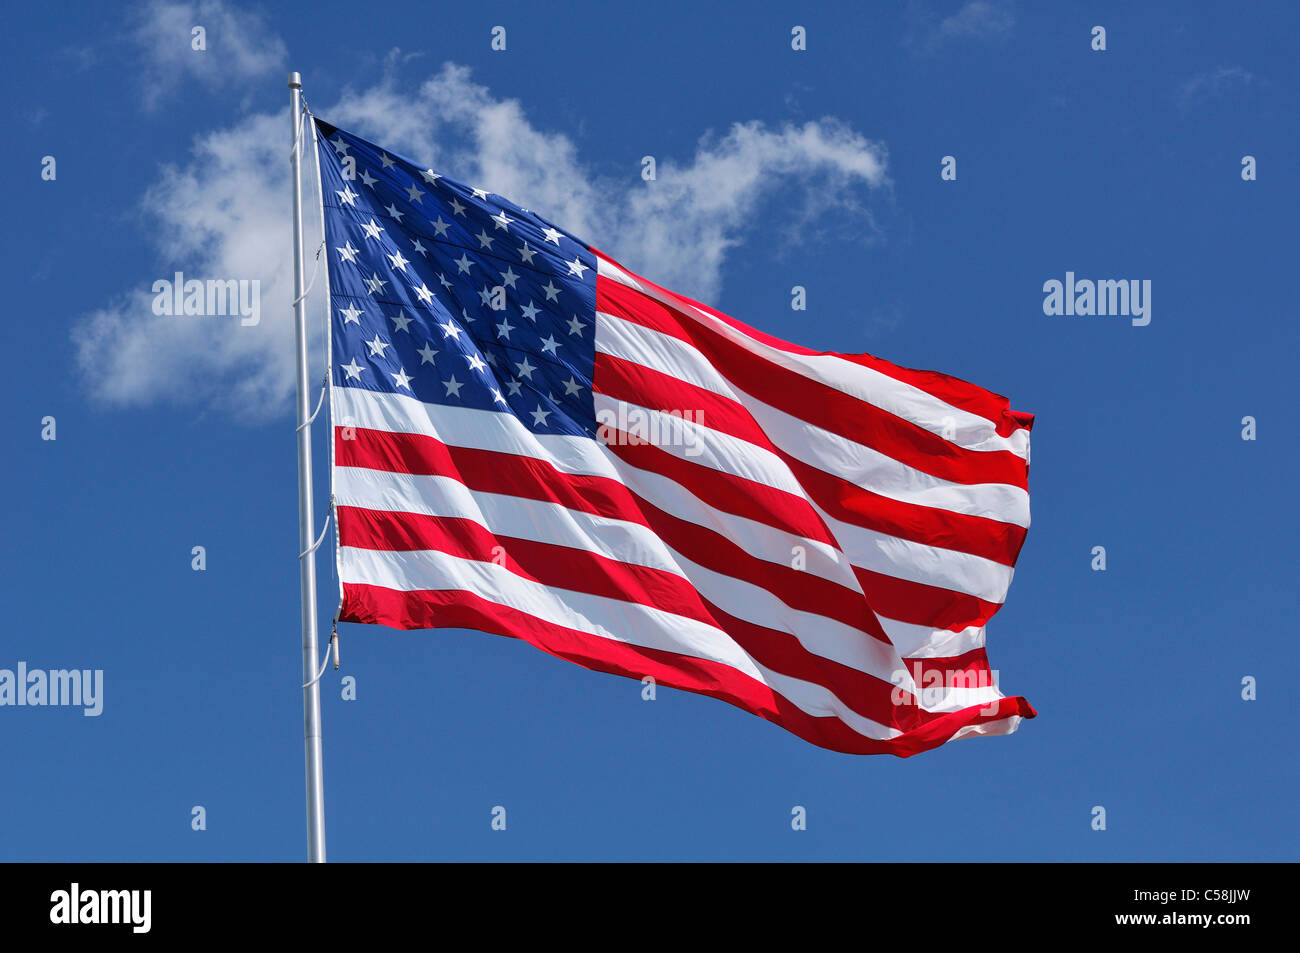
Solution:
(494, 472)
(840, 498)
(919, 604)
(812, 401)
(552, 565)
(376, 605)
(725, 491)
(489, 471)
(957, 671)
(579, 570)
(952, 390)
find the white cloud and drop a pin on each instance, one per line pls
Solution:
(225, 214)
(1214, 84)
(240, 46)
(978, 18)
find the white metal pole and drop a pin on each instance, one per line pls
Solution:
(306, 519)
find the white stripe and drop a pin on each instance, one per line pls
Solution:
(553, 524)
(827, 451)
(701, 444)
(537, 520)
(889, 394)
(941, 698)
(865, 548)
(581, 456)
(466, 427)
(916, 562)
(613, 619)
(490, 430)
(403, 414)
(923, 641)
(1002, 726)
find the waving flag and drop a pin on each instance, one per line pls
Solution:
(532, 441)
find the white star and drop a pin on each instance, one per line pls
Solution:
(552, 292)
(414, 193)
(539, 416)
(398, 261)
(457, 208)
(530, 312)
(424, 294)
(480, 194)
(576, 267)
(490, 358)
(375, 284)
(347, 196)
(453, 386)
(465, 314)
(388, 163)
(486, 295)
(339, 145)
(504, 329)
(401, 379)
(440, 227)
(451, 328)
(351, 314)
(551, 235)
(430, 176)
(463, 264)
(514, 387)
(348, 253)
(420, 248)
(426, 354)
(501, 220)
(372, 230)
(377, 347)
(496, 395)
(549, 345)
(526, 369)
(483, 240)
(353, 370)
(576, 326)
(400, 321)
(443, 279)
(571, 387)
(526, 254)
(476, 363)
(509, 278)
(367, 178)
(392, 210)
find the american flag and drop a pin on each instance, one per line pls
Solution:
(532, 441)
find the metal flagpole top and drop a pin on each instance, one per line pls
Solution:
(295, 81)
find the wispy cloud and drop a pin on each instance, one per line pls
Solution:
(976, 19)
(1211, 85)
(225, 214)
(239, 46)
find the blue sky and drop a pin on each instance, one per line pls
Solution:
(174, 432)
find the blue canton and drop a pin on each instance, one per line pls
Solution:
(454, 295)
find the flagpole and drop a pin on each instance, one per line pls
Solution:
(306, 524)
